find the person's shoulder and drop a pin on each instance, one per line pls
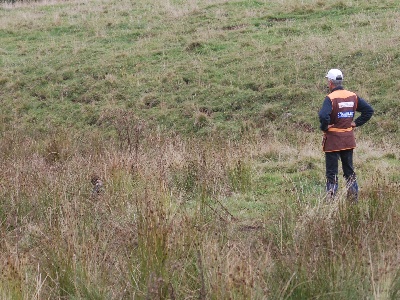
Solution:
(340, 93)
(361, 100)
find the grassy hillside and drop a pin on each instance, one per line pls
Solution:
(200, 119)
(194, 65)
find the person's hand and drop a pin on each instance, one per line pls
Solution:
(353, 124)
(329, 126)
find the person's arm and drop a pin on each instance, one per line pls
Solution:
(366, 112)
(325, 114)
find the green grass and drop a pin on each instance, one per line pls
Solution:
(109, 55)
(200, 118)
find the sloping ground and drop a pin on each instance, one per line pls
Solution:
(196, 66)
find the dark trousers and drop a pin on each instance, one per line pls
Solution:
(332, 163)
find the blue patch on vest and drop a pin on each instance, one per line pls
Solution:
(345, 114)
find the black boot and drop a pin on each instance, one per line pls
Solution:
(331, 190)
(352, 189)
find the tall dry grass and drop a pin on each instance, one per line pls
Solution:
(156, 196)
(163, 227)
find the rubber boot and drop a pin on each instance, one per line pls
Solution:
(331, 189)
(352, 190)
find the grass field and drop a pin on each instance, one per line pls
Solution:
(200, 119)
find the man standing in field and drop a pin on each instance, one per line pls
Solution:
(336, 121)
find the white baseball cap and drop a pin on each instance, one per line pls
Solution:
(334, 74)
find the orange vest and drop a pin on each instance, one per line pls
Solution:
(341, 135)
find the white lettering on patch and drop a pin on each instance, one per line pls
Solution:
(346, 114)
(346, 104)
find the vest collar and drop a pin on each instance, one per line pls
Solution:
(337, 88)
